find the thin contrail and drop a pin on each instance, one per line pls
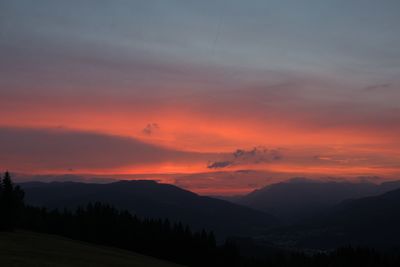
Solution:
(218, 30)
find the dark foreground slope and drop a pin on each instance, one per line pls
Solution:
(29, 249)
(154, 200)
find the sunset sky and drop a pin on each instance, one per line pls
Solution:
(201, 88)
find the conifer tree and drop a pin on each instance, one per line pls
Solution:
(11, 201)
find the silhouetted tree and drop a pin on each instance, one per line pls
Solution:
(11, 202)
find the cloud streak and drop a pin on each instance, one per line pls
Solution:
(63, 150)
(257, 155)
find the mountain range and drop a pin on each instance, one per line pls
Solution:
(297, 213)
(154, 200)
(295, 200)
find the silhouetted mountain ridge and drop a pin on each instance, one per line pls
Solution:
(298, 199)
(370, 221)
(155, 200)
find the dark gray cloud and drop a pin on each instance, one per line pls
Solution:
(150, 128)
(219, 164)
(377, 87)
(58, 149)
(256, 155)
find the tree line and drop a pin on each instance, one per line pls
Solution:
(103, 224)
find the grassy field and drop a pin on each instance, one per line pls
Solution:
(29, 249)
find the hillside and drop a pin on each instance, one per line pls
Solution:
(298, 199)
(154, 200)
(370, 221)
(29, 249)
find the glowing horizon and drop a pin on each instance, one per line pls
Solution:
(162, 88)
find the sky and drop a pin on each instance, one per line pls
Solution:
(202, 89)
